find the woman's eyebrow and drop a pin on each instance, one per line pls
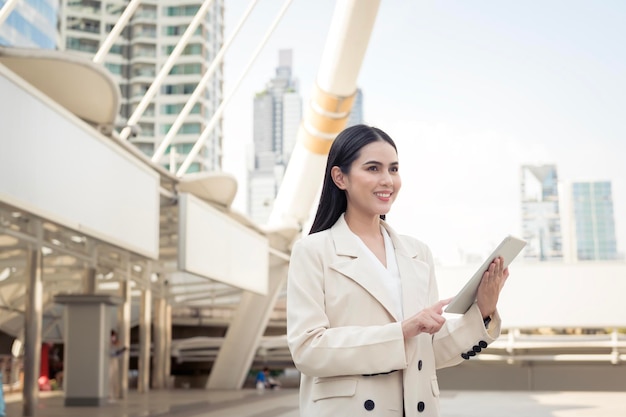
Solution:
(373, 162)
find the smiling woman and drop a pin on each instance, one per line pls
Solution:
(365, 325)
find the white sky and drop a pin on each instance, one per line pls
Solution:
(469, 91)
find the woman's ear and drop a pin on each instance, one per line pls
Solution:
(338, 177)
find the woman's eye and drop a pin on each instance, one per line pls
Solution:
(372, 168)
(394, 169)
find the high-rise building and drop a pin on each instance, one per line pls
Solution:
(31, 24)
(356, 113)
(137, 56)
(594, 224)
(277, 115)
(541, 224)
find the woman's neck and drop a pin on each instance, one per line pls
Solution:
(363, 226)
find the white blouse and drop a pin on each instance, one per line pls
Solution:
(390, 275)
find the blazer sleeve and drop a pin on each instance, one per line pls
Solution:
(323, 351)
(461, 338)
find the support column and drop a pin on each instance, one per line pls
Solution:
(89, 280)
(33, 318)
(158, 354)
(87, 342)
(168, 344)
(244, 333)
(145, 321)
(123, 318)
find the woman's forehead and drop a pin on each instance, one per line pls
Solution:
(378, 151)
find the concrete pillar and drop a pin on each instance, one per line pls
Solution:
(87, 342)
(145, 321)
(89, 280)
(33, 318)
(123, 319)
(168, 344)
(158, 353)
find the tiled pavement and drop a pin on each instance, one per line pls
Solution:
(284, 403)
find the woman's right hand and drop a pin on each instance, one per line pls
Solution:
(429, 320)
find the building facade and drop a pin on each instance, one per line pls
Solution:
(541, 223)
(139, 53)
(356, 113)
(277, 114)
(31, 24)
(592, 205)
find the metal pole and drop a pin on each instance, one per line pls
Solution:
(218, 113)
(158, 353)
(168, 343)
(145, 319)
(115, 32)
(169, 137)
(165, 70)
(124, 320)
(33, 318)
(6, 10)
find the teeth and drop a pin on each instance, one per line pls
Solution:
(384, 195)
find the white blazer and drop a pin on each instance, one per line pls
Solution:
(346, 341)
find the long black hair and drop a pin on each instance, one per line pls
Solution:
(345, 149)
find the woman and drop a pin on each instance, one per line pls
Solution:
(364, 322)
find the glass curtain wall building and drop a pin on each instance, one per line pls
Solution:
(541, 223)
(277, 115)
(137, 56)
(592, 203)
(31, 24)
(356, 113)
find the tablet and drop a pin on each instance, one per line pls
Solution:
(508, 249)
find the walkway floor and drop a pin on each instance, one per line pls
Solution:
(284, 403)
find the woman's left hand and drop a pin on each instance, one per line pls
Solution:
(490, 286)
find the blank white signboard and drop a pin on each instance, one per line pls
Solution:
(214, 246)
(57, 167)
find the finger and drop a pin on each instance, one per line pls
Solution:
(440, 320)
(443, 303)
(501, 266)
(439, 305)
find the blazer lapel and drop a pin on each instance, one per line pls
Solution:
(355, 264)
(414, 275)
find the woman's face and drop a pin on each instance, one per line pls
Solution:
(373, 182)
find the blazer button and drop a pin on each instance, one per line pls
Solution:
(482, 344)
(471, 353)
(477, 348)
(420, 406)
(419, 365)
(464, 356)
(369, 405)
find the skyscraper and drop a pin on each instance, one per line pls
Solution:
(31, 24)
(592, 205)
(541, 224)
(277, 115)
(139, 53)
(356, 113)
